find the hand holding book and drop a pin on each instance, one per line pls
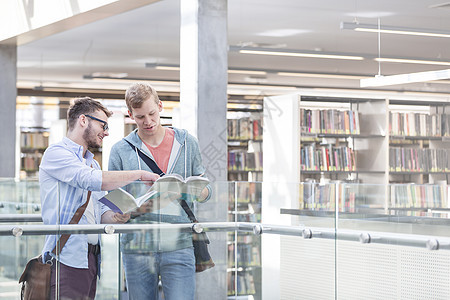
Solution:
(165, 190)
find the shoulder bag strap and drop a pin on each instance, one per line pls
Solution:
(150, 162)
(75, 219)
(155, 169)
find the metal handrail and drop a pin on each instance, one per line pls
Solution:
(8, 218)
(365, 237)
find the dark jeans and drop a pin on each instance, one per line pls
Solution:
(75, 283)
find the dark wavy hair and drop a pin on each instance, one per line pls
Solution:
(82, 106)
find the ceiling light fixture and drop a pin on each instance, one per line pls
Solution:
(124, 79)
(295, 53)
(322, 75)
(312, 54)
(405, 78)
(395, 30)
(413, 61)
(170, 67)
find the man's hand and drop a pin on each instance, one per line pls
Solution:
(110, 217)
(148, 177)
(120, 218)
(146, 207)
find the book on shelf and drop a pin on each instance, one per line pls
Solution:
(245, 284)
(169, 187)
(241, 160)
(329, 121)
(410, 195)
(332, 196)
(418, 124)
(407, 159)
(327, 158)
(244, 129)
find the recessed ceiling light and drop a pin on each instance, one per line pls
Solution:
(108, 74)
(283, 32)
(261, 45)
(394, 29)
(371, 14)
(405, 78)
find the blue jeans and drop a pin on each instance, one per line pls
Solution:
(176, 268)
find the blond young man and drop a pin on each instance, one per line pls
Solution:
(150, 256)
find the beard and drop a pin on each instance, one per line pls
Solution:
(90, 138)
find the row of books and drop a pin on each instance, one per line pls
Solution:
(327, 158)
(419, 124)
(35, 140)
(326, 197)
(248, 255)
(418, 196)
(245, 283)
(247, 192)
(343, 198)
(244, 129)
(241, 160)
(239, 216)
(330, 121)
(31, 161)
(404, 159)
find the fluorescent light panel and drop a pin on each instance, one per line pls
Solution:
(231, 71)
(348, 56)
(320, 75)
(405, 78)
(301, 54)
(395, 30)
(413, 61)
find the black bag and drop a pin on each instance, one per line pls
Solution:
(203, 260)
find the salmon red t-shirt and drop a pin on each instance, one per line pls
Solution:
(161, 153)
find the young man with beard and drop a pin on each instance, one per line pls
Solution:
(66, 173)
(150, 256)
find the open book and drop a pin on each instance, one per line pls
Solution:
(169, 186)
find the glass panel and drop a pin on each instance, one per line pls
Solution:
(147, 244)
(386, 243)
(268, 241)
(244, 248)
(295, 267)
(17, 201)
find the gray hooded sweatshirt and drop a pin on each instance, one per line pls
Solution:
(185, 160)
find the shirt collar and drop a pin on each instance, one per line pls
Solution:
(77, 149)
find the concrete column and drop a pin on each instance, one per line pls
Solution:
(8, 94)
(203, 80)
(203, 108)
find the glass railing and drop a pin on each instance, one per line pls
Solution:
(267, 240)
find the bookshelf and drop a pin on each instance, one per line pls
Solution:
(244, 249)
(33, 142)
(303, 149)
(419, 159)
(244, 146)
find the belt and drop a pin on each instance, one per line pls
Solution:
(94, 249)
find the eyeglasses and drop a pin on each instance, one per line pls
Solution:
(105, 124)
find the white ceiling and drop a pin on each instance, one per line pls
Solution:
(124, 43)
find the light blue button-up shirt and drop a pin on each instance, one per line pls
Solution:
(65, 179)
